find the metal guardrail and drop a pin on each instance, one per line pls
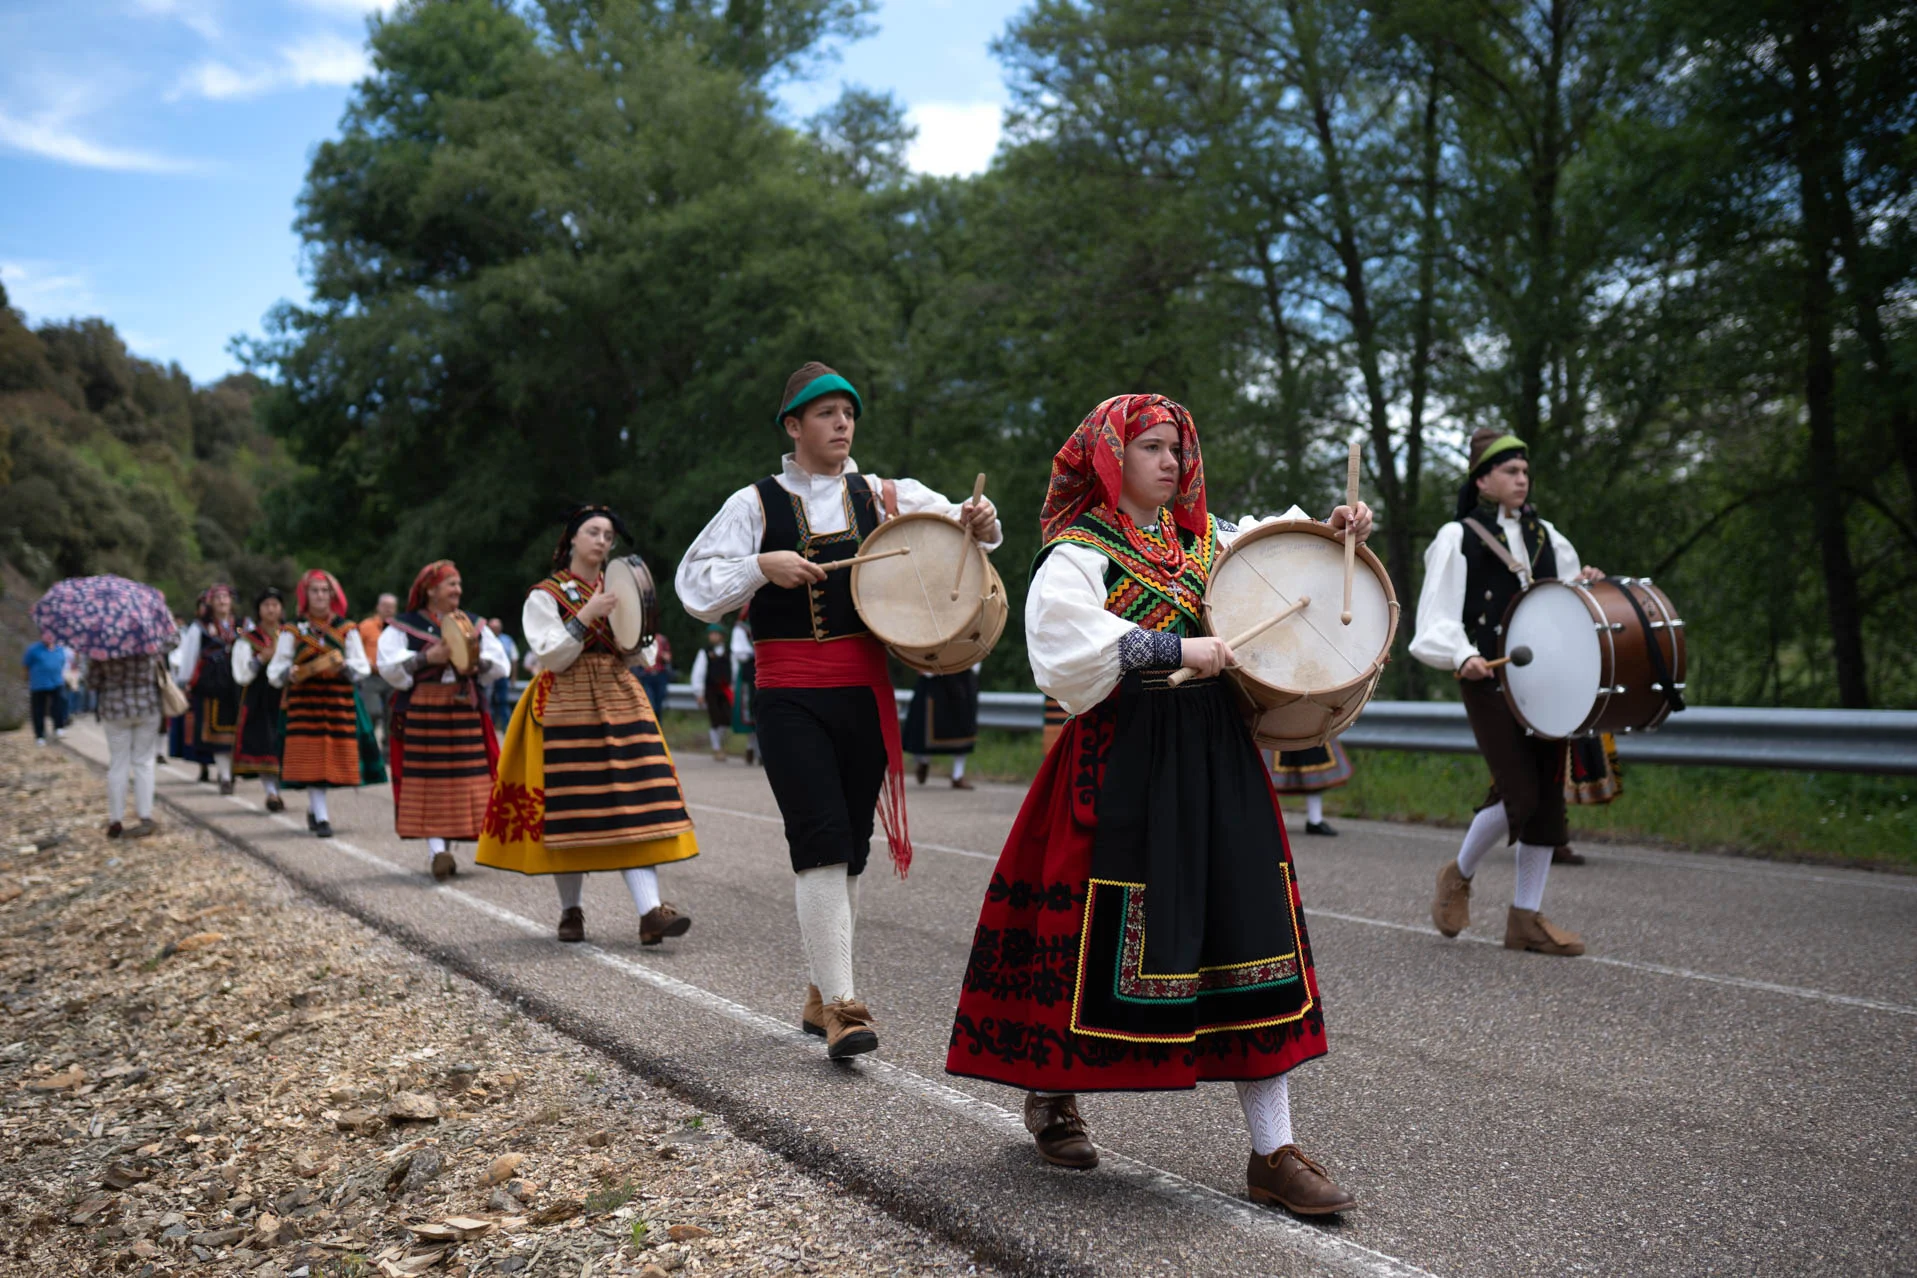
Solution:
(1871, 741)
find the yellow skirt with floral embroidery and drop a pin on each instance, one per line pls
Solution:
(585, 779)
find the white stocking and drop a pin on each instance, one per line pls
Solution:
(643, 883)
(1488, 829)
(435, 845)
(1267, 1106)
(718, 738)
(1534, 867)
(271, 785)
(825, 928)
(223, 766)
(316, 804)
(958, 768)
(1315, 808)
(572, 887)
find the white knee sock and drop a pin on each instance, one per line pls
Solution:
(435, 845)
(271, 785)
(1488, 829)
(223, 766)
(1267, 1106)
(825, 928)
(643, 883)
(718, 736)
(958, 768)
(1314, 808)
(571, 887)
(316, 804)
(1534, 867)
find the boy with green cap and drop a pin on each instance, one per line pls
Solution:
(1475, 566)
(827, 721)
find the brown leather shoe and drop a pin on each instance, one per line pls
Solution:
(1530, 930)
(1059, 1132)
(275, 804)
(115, 830)
(444, 867)
(147, 826)
(924, 771)
(812, 1017)
(849, 1028)
(661, 921)
(1451, 908)
(572, 924)
(1296, 1183)
(1564, 854)
(960, 783)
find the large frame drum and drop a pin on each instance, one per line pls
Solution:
(906, 600)
(1306, 678)
(1596, 648)
(634, 619)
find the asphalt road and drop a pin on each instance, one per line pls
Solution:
(1723, 1085)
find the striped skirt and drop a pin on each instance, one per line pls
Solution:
(257, 740)
(585, 779)
(328, 737)
(442, 768)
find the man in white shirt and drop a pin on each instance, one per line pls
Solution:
(1475, 566)
(827, 722)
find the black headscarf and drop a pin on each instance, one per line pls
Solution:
(575, 520)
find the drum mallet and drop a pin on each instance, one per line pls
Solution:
(978, 494)
(865, 559)
(1351, 540)
(1518, 656)
(1247, 636)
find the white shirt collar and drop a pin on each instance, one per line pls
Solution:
(803, 478)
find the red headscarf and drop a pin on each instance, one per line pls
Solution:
(320, 574)
(1089, 471)
(429, 576)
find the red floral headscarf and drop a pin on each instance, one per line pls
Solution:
(320, 574)
(429, 576)
(1089, 471)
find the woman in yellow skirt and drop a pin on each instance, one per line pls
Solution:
(585, 779)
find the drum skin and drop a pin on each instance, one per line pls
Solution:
(1305, 679)
(1591, 668)
(462, 645)
(634, 619)
(906, 601)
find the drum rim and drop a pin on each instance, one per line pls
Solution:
(958, 634)
(1607, 655)
(638, 601)
(1392, 607)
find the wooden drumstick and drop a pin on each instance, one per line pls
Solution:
(1247, 636)
(865, 559)
(1518, 656)
(978, 492)
(1351, 541)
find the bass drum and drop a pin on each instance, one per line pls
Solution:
(906, 601)
(1305, 679)
(1606, 656)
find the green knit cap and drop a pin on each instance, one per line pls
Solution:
(810, 382)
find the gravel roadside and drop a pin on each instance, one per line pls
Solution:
(206, 1073)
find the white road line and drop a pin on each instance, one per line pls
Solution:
(1656, 969)
(1346, 1255)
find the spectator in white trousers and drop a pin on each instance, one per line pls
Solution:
(128, 707)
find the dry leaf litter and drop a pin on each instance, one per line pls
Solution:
(205, 1073)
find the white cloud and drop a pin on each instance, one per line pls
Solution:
(47, 290)
(199, 16)
(316, 59)
(955, 138)
(51, 135)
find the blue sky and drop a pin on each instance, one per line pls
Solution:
(151, 150)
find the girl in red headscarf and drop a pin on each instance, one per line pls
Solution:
(329, 737)
(1143, 930)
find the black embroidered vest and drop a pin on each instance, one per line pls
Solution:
(824, 610)
(1489, 586)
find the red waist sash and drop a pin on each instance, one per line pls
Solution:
(857, 661)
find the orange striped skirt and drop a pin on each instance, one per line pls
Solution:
(585, 779)
(322, 734)
(445, 777)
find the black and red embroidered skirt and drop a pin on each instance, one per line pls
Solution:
(1143, 930)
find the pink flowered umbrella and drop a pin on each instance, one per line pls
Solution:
(106, 618)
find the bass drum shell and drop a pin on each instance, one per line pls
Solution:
(906, 601)
(1591, 668)
(1305, 679)
(634, 618)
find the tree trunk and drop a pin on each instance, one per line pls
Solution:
(1822, 472)
(1399, 533)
